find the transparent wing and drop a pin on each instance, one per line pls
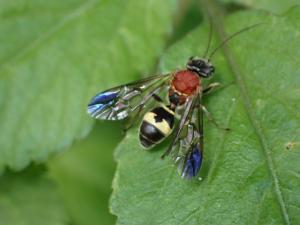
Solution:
(187, 145)
(117, 103)
(191, 159)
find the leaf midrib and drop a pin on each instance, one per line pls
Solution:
(258, 130)
(213, 9)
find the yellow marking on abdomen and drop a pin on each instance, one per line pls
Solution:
(162, 126)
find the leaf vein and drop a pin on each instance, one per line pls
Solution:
(257, 126)
(216, 17)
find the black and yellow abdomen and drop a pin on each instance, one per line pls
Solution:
(156, 125)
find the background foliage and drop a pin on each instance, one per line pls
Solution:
(55, 55)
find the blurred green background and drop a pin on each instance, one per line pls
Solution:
(57, 164)
(84, 174)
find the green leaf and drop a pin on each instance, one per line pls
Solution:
(269, 5)
(84, 175)
(54, 56)
(30, 198)
(250, 175)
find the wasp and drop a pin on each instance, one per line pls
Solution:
(185, 91)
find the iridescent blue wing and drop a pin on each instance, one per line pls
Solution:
(187, 144)
(117, 103)
(191, 160)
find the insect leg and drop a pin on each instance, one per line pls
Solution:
(211, 119)
(210, 87)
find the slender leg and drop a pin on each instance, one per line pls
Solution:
(157, 98)
(211, 119)
(210, 87)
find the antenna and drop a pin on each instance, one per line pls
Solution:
(232, 36)
(209, 38)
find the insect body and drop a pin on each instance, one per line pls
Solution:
(185, 92)
(185, 83)
(158, 123)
